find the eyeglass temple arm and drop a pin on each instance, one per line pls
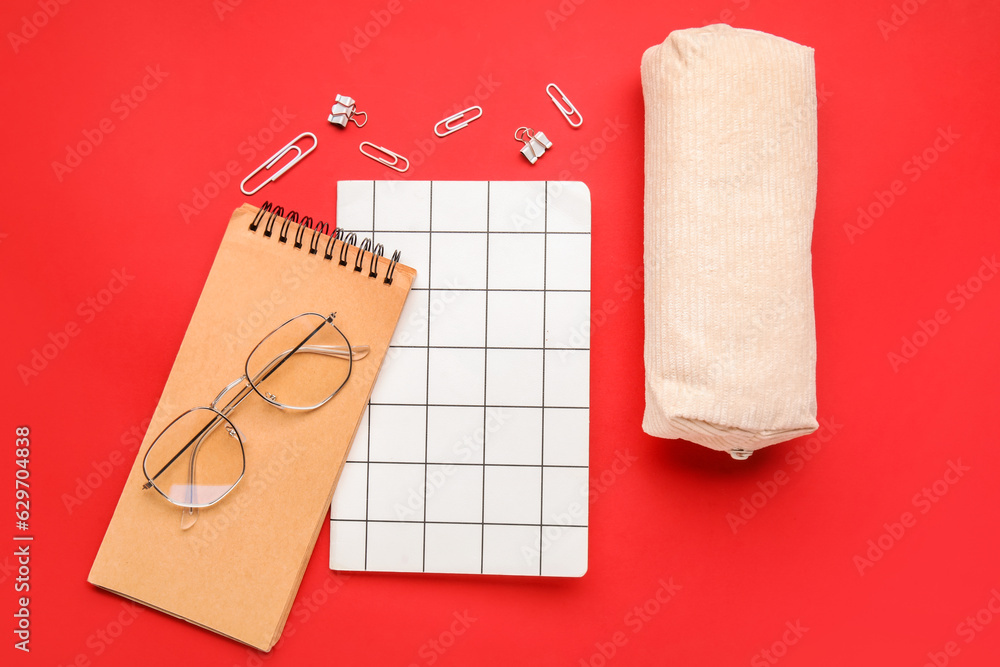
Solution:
(340, 351)
(357, 352)
(243, 394)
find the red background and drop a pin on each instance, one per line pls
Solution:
(662, 518)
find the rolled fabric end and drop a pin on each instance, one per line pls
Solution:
(730, 195)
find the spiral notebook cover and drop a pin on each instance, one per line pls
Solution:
(473, 456)
(236, 571)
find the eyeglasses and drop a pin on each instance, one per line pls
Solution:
(199, 457)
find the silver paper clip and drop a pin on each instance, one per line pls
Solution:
(271, 161)
(568, 111)
(535, 143)
(396, 157)
(455, 128)
(344, 111)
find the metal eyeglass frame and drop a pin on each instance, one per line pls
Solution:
(250, 386)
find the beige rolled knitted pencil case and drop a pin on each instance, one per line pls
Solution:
(730, 194)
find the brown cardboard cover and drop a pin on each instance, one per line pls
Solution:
(237, 569)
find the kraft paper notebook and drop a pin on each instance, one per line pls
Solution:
(473, 456)
(237, 569)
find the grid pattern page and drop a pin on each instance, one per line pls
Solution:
(473, 455)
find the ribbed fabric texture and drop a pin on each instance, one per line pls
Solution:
(730, 344)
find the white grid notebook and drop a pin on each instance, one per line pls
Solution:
(473, 455)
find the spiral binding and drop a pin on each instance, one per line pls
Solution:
(275, 214)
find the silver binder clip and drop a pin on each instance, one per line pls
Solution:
(535, 143)
(569, 111)
(271, 161)
(447, 122)
(396, 157)
(344, 111)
